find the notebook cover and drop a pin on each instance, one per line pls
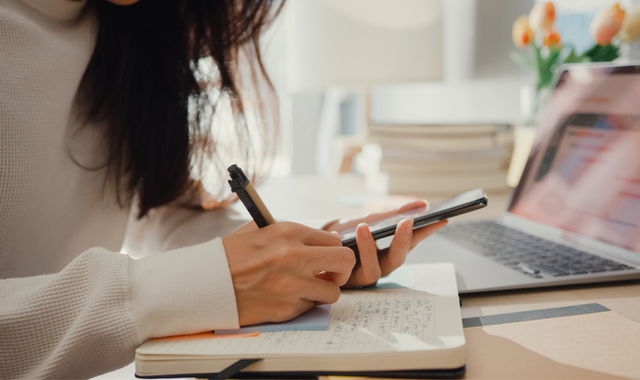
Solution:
(454, 373)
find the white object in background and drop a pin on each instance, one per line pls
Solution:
(363, 42)
(458, 39)
(368, 163)
(327, 161)
(478, 101)
(305, 113)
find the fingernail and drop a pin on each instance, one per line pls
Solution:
(362, 229)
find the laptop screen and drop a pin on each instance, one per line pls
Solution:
(583, 174)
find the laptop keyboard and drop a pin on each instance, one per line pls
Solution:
(525, 253)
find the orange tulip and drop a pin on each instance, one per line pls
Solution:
(522, 33)
(551, 38)
(542, 16)
(606, 24)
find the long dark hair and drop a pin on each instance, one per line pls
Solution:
(147, 85)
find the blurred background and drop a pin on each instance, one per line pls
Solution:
(406, 91)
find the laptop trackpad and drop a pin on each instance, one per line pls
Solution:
(474, 272)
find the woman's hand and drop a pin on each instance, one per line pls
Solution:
(275, 270)
(375, 263)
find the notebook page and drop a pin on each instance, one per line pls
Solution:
(363, 321)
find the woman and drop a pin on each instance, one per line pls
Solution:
(105, 121)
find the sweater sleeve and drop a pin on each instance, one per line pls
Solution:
(89, 318)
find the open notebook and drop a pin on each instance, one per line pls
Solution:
(390, 330)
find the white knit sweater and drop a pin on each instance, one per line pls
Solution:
(72, 306)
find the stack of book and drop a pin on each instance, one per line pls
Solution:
(438, 160)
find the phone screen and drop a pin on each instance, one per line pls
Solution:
(457, 205)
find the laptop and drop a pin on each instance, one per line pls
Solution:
(574, 217)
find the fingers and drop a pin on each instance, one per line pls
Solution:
(400, 246)
(274, 269)
(282, 270)
(321, 291)
(376, 263)
(368, 272)
(404, 240)
(298, 232)
(342, 224)
(369, 267)
(312, 293)
(337, 262)
(413, 205)
(292, 232)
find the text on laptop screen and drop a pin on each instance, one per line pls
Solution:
(583, 175)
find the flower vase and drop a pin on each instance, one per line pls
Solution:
(532, 101)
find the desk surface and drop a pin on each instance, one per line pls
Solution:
(494, 352)
(347, 197)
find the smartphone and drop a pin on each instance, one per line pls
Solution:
(454, 206)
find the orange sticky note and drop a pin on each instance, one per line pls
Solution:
(207, 335)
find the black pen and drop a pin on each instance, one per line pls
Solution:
(247, 193)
